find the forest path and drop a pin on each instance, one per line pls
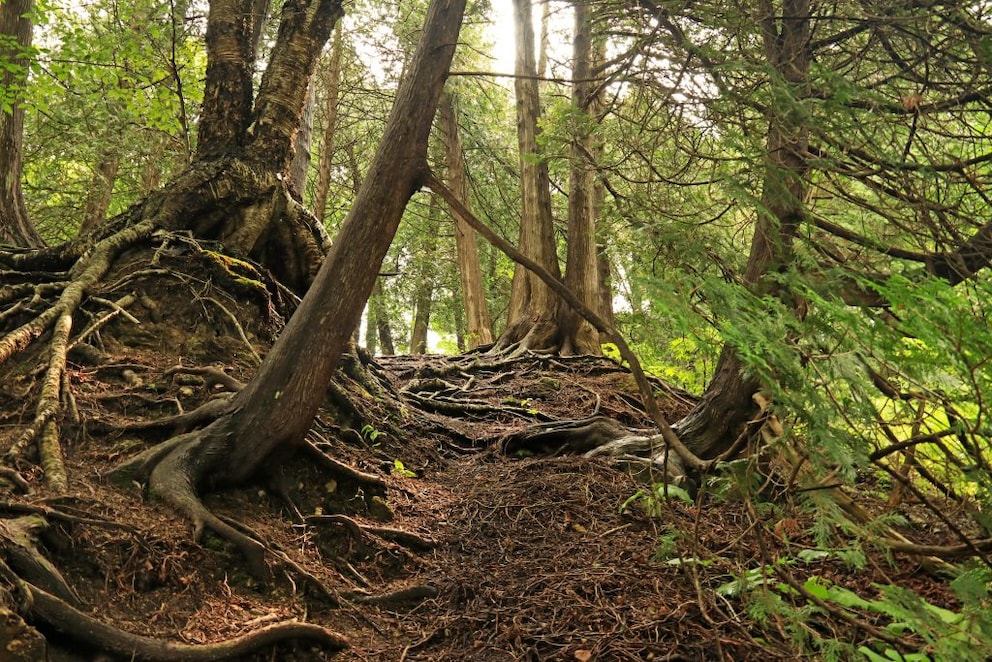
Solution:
(532, 558)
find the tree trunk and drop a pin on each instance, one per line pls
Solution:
(582, 265)
(421, 317)
(270, 417)
(278, 405)
(719, 418)
(332, 81)
(530, 323)
(371, 327)
(101, 190)
(379, 313)
(426, 273)
(301, 146)
(15, 43)
(470, 271)
(227, 92)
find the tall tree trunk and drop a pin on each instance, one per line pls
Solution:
(532, 307)
(332, 83)
(301, 146)
(101, 190)
(470, 271)
(273, 413)
(582, 275)
(714, 424)
(227, 93)
(422, 303)
(426, 274)
(371, 326)
(379, 313)
(15, 43)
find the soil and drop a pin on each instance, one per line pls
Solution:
(517, 558)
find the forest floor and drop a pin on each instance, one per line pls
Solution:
(514, 558)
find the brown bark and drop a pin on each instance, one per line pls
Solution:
(300, 166)
(332, 81)
(274, 411)
(227, 92)
(532, 307)
(101, 190)
(582, 265)
(16, 31)
(303, 29)
(719, 418)
(478, 325)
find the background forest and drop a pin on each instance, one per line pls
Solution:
(782, 207)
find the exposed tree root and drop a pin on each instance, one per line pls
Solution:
(342, 469)
(18, 545)
(403, 596)
(211, 375)
(408, 539)
(57, 614)
(644, 454)
(209, 411)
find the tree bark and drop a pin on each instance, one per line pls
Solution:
(272, 414)
(227, 92)
(332, 83)
(301, 146)
(582, 275)
(101, 190)
(530, 322)
(727, 404)
(16, 33)
(478, 325)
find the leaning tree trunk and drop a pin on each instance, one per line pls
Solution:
(720, 417)
(15, 42)
(272, 414)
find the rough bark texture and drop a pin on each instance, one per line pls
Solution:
(332, 81)
(479, 327)
(301, 149)
(227, 93)
(101, 189)
(303, 30)
(582, 266)
(278, 406)
(16, 29)
(719, 418)
(272, 414)
(530, 320)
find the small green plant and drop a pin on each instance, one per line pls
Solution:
(652, 499)
(371, 434)
(401, 470)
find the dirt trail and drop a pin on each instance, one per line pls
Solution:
(516, 558)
